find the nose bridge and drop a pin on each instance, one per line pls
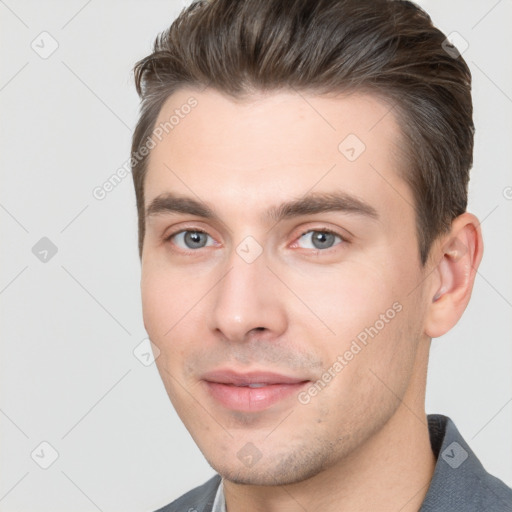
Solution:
(245, 298)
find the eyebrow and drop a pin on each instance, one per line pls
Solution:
(319, 202)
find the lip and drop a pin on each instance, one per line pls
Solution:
(231, 389)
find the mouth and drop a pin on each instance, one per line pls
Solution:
(251, 392)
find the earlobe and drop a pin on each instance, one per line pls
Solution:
(458, 256)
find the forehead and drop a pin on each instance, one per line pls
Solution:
(273, 145)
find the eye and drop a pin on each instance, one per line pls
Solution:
(319, 239)
(190, 239)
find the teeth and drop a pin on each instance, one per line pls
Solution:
(256, 385)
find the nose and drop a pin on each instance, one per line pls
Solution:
(248, 300)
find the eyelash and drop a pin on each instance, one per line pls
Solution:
(193, 252)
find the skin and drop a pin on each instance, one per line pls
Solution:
(295, 308)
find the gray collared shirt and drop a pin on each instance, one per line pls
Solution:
(459, 484)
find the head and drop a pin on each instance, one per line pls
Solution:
(301, 172)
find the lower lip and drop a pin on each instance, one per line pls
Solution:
(246, 399)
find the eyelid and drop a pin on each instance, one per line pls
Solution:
(344, 234)
(185, 227)
(168, 237)
(321, 229)
(325, 230)
(190, 252)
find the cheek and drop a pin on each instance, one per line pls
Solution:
(163, 310)
(163, 301)
(369, 317)
(154, 304)
(172, 309)
(347, 298)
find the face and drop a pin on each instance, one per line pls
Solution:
(281, 278)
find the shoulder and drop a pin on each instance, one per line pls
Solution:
(199, 499)
(460, 482)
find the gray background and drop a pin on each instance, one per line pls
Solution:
(70, 325)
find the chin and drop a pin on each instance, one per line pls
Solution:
(281, 470)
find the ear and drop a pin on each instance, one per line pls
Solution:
(458, 255)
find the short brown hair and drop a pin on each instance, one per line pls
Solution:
(386, 47)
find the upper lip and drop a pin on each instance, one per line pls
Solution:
(254, 377)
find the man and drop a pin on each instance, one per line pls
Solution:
(301, 172)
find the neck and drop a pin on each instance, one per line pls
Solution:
(391, 471)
